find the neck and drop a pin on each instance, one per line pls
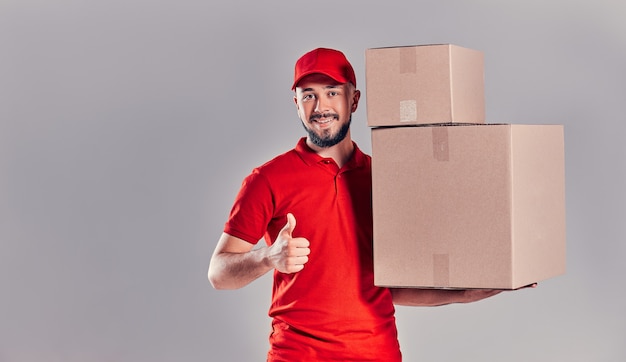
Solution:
(340, 153)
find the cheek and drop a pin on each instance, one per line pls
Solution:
(352, 105)
(304, 112)
(345, 107)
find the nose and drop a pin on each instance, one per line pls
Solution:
(320, 105)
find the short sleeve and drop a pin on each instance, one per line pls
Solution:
(252, 210)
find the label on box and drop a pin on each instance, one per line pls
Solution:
(408, 110)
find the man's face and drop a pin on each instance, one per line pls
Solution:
(325, 108)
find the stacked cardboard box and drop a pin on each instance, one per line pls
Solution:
(458, 203)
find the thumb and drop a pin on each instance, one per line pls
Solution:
(291, 224)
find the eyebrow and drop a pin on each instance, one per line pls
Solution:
(325, 87)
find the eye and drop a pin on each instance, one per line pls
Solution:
(333, 93)
(307, 97)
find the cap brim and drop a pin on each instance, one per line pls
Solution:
(335, 77)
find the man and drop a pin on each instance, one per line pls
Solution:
(312, 205)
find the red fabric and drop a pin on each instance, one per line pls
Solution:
(330, 310)
(330, 62)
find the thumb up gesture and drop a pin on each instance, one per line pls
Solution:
(288, 254)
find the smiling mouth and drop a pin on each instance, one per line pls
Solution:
(324, 118)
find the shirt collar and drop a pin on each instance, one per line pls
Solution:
(310, 157)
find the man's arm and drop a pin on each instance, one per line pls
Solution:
(235, 263)
(436, 297)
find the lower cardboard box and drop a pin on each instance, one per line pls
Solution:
(468, 206)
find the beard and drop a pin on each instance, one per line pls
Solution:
(327, 139)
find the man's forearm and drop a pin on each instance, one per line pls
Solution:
(236, 270)
(437, 297)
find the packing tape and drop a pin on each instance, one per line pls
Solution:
(408, 64)
(408, 60)
(441, 270)
(440, 143)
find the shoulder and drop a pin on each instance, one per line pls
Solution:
(279, 164)
(361, 158)
(294, 160)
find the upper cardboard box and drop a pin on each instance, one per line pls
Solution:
(424, 84)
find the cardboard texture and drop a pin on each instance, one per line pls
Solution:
(424, 84)
(468, 206)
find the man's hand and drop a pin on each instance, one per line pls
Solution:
(473, 295)
(435, 297)
(288, 254)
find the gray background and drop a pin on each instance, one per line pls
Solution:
(127, 126)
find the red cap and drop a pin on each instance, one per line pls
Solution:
(325, 61)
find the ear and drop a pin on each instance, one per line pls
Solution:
(295, 100)
(355, 100)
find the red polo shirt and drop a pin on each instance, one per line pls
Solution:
(330, 310)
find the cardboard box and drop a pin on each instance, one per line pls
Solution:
(424, 84)
(468, 206)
